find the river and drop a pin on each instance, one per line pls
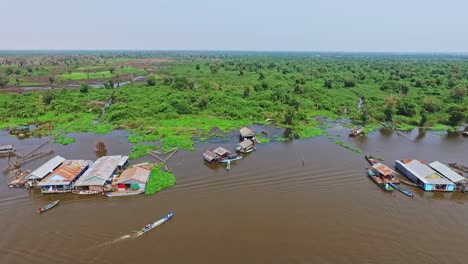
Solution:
(306, 201)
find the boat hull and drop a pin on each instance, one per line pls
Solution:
(47, 206)
(386, 187)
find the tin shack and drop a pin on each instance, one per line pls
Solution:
(62, 178)
(425, 177)
(99, 176)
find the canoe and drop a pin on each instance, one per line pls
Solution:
(47, 206)
(117, 194)
(231, 159)
(401, 189)
(379, 181)
(370, 160)
(148, 227)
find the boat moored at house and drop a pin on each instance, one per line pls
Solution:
(385, 173)
(216, 155)
(460, 181)
(424, 176)
(62, 178)
(44, 170)
(98, 177)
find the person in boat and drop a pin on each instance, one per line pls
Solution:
(386, 185)
(147, 226)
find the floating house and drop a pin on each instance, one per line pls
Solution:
(6, 150)
(44, 170)
(246, 133)
(448, 173)
(123, 163)
(210, 156)
(385, 173)
(99, 176)
(216, 155)
(245, 146)
(62, 178)
(425, 177)
(134, 178)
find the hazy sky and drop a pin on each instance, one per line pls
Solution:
(296, 25)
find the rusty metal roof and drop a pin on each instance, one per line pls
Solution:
(138, 174)
(382, 169)
(65, 173)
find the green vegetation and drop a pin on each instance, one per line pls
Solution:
(141, 150)
(190, 97)
(159, 180)
(341, 143)
(63, 140)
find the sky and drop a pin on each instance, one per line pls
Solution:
(250, 25)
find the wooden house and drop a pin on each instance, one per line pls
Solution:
(62, 178)
(246, 133)
(424, 176)
(245, 146)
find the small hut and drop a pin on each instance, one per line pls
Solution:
(246, 133)
(245, 146)
(222, 152)
(210, 156)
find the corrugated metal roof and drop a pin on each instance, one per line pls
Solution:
(221, 151)
(101, 170)
(65, 173)
(138, 174)
(425, 173)
(122, 161)
(384, 170)
(246, 132)
(46, 168)
(447, 172)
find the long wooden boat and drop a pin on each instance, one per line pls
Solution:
(125, 193)
(47, 206)
(458, 166)
(148, 227)
(231, 158)
(371, 160)
(401, 189)
(379, 181)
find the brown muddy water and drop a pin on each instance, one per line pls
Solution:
(306, 201)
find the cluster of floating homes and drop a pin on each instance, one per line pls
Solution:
(246, 145)
(434, 176)
(107, 174)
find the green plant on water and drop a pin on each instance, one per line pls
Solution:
(341, 143)
(159, 180)
(141, 150)
(64, 140)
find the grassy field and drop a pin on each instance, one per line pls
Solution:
(191, 97)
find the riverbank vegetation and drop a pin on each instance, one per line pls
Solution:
(194, 94)
(159, 180)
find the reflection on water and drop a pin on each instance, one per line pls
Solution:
(296, 202)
